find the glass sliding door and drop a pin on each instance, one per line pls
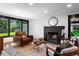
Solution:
(15, 26)
(25, 26)
(73, 26)
(9, 26)
(3, 27)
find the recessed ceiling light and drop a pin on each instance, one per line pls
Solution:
(30, 3)
(16, 10)
(69, 5)
(45, 11)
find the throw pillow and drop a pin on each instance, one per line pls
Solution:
(24, 37)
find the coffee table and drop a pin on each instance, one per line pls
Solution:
(38, 43)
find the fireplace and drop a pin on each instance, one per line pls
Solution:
(53, 34)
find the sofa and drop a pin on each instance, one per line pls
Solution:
(21, 38)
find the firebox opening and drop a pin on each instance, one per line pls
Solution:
(53, 37)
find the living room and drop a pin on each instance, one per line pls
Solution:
(35, 20)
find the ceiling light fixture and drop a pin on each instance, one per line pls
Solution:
(45, 11)
(69, 5)
(30, 3)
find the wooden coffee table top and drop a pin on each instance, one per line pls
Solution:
(39, 42)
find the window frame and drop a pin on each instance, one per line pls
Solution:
(9, 18)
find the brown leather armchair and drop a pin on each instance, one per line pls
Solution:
(18, 38)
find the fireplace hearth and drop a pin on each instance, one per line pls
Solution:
(53, 34)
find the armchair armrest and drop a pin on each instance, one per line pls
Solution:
(30, 36)
(48, 48)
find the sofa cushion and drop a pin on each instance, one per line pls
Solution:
(69, 50)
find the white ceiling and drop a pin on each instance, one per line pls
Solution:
(37, 10)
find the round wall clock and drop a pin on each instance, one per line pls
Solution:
(53, 21)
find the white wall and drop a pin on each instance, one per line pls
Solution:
(37, 25)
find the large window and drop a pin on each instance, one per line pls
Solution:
(25, 26)
(9, 26)
(3, 27)
(15, 26)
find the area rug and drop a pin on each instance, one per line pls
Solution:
(27, 50)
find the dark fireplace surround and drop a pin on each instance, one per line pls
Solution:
(53, 34)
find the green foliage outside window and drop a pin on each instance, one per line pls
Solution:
(3, 25)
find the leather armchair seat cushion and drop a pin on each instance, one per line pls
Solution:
(69, 50)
